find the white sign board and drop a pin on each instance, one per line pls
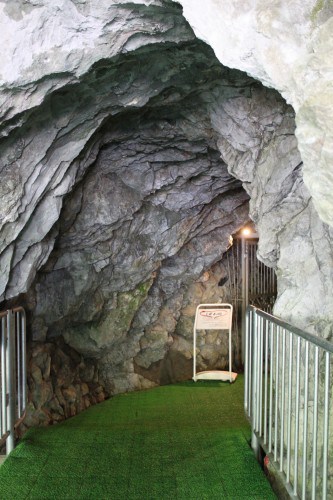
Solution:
(214, 319)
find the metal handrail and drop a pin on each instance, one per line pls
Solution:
(13, 367)
(319, 341)
(288, 389)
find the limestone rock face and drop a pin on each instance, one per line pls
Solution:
(154, 211)
(116, 195)
(287, 46)
(293, 239)
(56, 94)
(128, 155)
(61, 384)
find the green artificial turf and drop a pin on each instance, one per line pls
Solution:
(183, 441)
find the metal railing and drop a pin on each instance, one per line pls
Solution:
(13, 393)
(288, 390)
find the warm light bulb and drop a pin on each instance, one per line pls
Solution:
(246, 231)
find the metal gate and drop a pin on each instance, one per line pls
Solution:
(249, 282)
(259, 280)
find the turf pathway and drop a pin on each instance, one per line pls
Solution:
(183, 441)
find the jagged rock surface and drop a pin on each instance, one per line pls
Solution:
(293, 239)
(61, 383)
(154, 211)
(287, 47)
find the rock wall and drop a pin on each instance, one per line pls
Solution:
(153, 213)
(155, 210)
(176, 363)
(287, 46)
(60, 383)
(293, 238)
(63, 382)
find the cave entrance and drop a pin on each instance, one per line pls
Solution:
(248, 281)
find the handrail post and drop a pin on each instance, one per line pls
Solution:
(23, 339)
(11, 385)
(247, 373)
(254, 374)
(245, 300)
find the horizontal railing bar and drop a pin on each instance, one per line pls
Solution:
(18, 309)
(320, 342)
(3, 314)
(259, 294)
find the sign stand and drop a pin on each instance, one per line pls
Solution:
(213, 317)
